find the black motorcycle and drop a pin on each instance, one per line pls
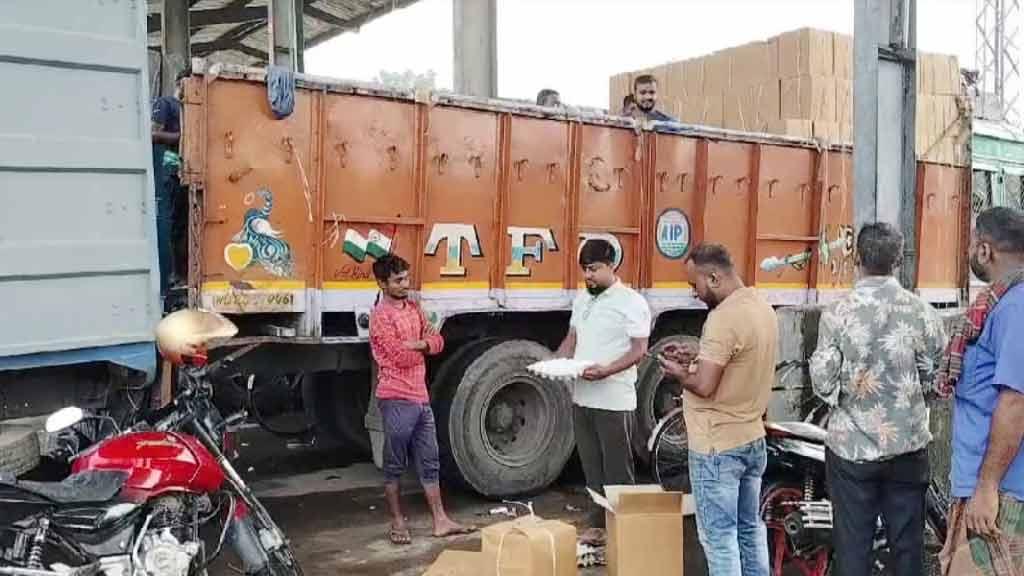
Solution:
(795, 503)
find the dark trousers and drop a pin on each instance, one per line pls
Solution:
(860, 492)
(603, 442)
(409, 430)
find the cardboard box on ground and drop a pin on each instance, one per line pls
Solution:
(644, 530)
(456, 563)
(527, 546)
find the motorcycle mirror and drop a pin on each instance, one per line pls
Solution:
(64, 418)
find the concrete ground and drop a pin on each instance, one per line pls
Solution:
(331, 506)
(332, 509)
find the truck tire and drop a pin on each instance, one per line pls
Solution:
(339, 403)
(19, 449)
(442, 389)
(655, 395)
(507, 431)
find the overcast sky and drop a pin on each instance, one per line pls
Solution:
(576, 45)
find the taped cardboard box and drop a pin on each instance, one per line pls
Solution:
(946, 73)
(695, 111)
(529, 546)
(712, 110)
(790, 127)
(644, 530)
(926, 126)
(693, 81)
(844, 101)
(846, 133)
(456, 563)
(950, 114)
(842, 55)
(717, 72)
(753, 107)
(617, 89)
(806, 52)
(925, 74)
(675, 84)
(827, 131)
(754, 64)
(809, 98)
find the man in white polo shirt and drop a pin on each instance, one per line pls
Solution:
(610, 325)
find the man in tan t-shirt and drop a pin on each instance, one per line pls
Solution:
(727, 384)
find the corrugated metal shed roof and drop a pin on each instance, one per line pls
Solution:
(236, 30)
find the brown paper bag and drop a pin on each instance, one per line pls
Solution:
(529, 546)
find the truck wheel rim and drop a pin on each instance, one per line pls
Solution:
(664, 398)
(516, 421)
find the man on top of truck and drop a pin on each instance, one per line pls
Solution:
(610, 325)
(400, 337)
(645, 90)
(549, 98)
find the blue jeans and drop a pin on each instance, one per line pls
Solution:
(727, 493)
(165, 190)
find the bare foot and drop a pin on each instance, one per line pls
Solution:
(446, 527)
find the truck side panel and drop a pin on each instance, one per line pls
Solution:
(78, 267)
(491, 204)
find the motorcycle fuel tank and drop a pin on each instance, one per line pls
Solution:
(156, 462)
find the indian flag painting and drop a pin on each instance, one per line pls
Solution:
(358, 247)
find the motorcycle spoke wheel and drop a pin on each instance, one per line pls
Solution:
(670, 458)
(283, 563)
(777, 502)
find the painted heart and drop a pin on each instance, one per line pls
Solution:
(238, 256)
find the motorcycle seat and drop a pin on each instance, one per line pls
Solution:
(802, 430)
(88, 486)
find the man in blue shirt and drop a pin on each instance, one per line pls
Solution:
(987, 477)
(166, 135)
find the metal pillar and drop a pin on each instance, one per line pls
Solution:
(884, 96)
(475, 35)
(174, 43)
(286, 34)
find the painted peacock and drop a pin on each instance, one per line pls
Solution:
(268, 248)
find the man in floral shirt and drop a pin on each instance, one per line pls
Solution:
(878, 352)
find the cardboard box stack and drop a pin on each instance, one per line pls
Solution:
(800, 84)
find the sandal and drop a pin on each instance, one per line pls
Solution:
(399, 536)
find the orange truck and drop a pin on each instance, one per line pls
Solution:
(490, 202)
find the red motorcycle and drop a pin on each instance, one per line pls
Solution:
(137, 500)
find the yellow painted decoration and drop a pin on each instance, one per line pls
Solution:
(238, 256)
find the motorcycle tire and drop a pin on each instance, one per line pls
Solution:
(282, 563)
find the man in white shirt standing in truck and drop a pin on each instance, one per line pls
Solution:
(610, 326)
